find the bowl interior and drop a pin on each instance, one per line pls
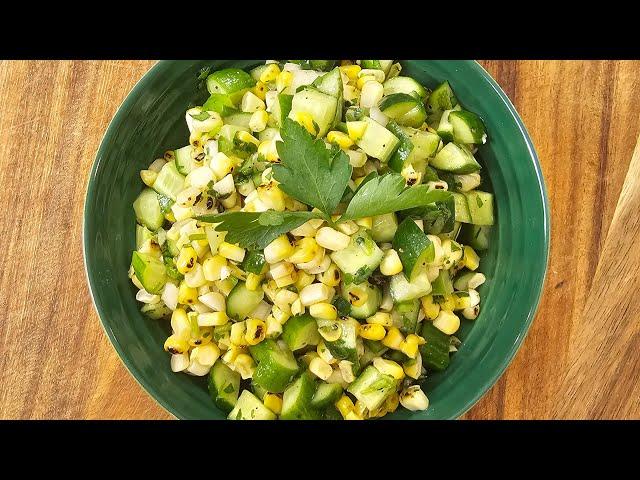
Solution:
(151, 120)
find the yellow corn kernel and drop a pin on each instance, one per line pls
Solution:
(170, 216)
(278, 249)
(271, 196)
(258, 121)
(364, 79)
(389, 367)
(274, 327)
(256, 330)
(361, 409)
(244, 365)
(273, 402)
(260, 90)
(212, 267)
(253, 281)
(206, 354)
(393, 339)
(366, 222)
(339, 138)
(270, 73)
(296, 307)
(232, 252)
(353, 416)
(323, 310)
(231, 354)
(324, 353)
(284, 298)
(358, 295)
(356, 130)
(448, 303)
(320, 368)
(392, 402)
(222, 165)
(429, 307)
(175, 345)
(447, 322)
(268, 151)
(286, 280)
(391, 264)
(410, 345)
(246, 137)
(351, 71)
(471, 260)
(186, 260)
(284, 80)
(187, 295)
(331, 276)
(345, 406)
(237, 336)
(304, 279)
(413, 367)
(212, 319)
(304, 251)
(180, 324)
(148, 177)
(306, 120)
(381, 318)
(372, 331)
(280, 314)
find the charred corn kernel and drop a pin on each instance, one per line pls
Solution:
(366, 222)
(195, 139)
(331, 276)
(389, 367)
(232, 252)
(212, 319)
(356, 130)
(393, 339)
(260, 90)
(256, 330)
(273, 402)
(212, 267)
(351, 71)
(448, 303)
(297, 308)
(280, 314)
(253, 281)
(410, 345)
(246, 137)
(222, 165)
(274, 327)
(148, 177)
(324, 353)
(187, 259)
(413, 398)
(471, 313)
(304, 279)
(345, 405)
(268, 150)
(381, 318)
(238, 331)
(413, 367)
(429, 307)
(284, 80)
(320, 368)
(278, 249)
(270, 73)
(323, 310)
(372, 331)
(306, 120)
(447, 322)
(206, 355)
(176, 345)
(358, 295)
(244, 365)
(258, 121)
(339, 138)
(353, 416)
(471, 260)
(187, 295)
(305, 250)
(391, 264)
(332, 239)
(180, 324)
(364, 79)
(271, 196)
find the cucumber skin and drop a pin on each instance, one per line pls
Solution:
(302, 410)
(148, 210)
(140, 263)
(411, 243)
(326, 395)
(293, 329)
(244, 294)
(435, 352)
(217, 393)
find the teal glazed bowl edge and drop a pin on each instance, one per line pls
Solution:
(151, 120)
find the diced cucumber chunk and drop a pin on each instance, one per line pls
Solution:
(239, 119)
(425, 143)
(480, 207)
(224, 386)
(345, 347)
(377, 141)
(405, 315)
(331, 84)
(384, 227)
(397, 104)
(300, 331)
(462, 208)
(401, 156)
(374, 298)
(467, 127)
(476, 236)
(150, 271)
(258, 390)
(323, 65)
(435, 351)
(230, 81)
(456, 159)
(142, 235)
(184, 162)
(156, 311)
(281, 109)
(445, 128)
(405, 85)
(147, 209)
(296, 401)
(320, 106)
(402, 290)
(384, 65)
(372, 387)
(442, 285)
(249, 407)
(414, 117)
(242, 301)
(326, 395)
(414, 248)
(361, 257)
(258, 71)
(276, 365)
(442, 98)
(169, 182)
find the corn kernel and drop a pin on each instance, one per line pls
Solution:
(305, 250)
(471, 260)
(225, 286)
(364, 79)
(237, 336)
(388, 367)
(176, 345)
(393, 339)
(410, 345)
(391, 264)
(268, 151)
(448, 303)
(244, 365)
(413, 398)
(372, 331)
(148, 177)
(222, 165)
(381, 318)
(256, 330)
(253, 281)
(273, 402)
(331, 276)
(324, 353)
(274, 327)
(356, 130)
(345, 405)
(366, 222)
(212, 267)
(187, 295)
(429, 307)
(391, 403)
(320, 368)
(258, 121)
(297, 308)
(339, 138)
(270, 74)
(332, 239)
(232, 252)
(447, 322)
(306, 120)
(280, 314)
(304, 279)
(284, 80)
(323, 310)
(471, 313)
(351, 71)
(357, 295)
(286, 280)
(186, 260)
(206, 355)
(315, 293)
(278, 249)
(180, 324)
(413, 367)
(353, 416)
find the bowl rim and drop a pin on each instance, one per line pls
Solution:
(150, 389)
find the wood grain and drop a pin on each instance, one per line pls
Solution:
(56, 362)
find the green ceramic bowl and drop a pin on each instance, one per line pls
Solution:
(151, 120)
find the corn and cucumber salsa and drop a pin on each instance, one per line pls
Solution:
(315, 244)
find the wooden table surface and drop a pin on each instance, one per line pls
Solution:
(581, 358)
